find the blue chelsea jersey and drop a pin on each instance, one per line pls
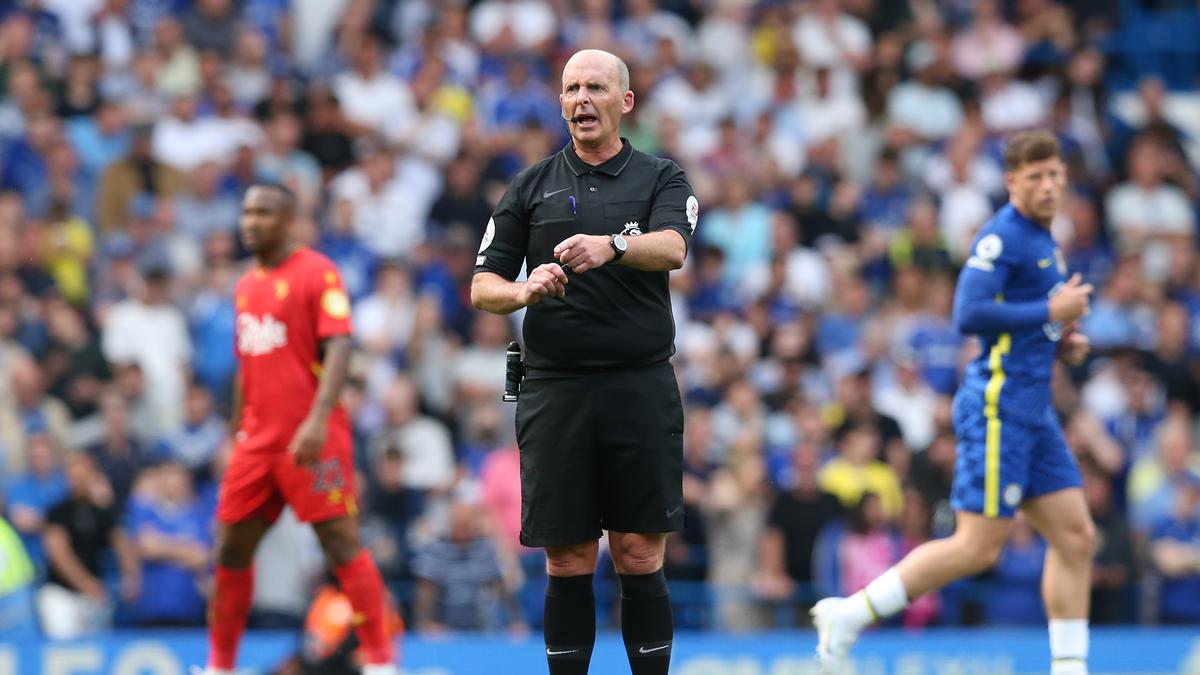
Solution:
(1003, 297)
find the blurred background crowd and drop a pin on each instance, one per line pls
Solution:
(843, 151)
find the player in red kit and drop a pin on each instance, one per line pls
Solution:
(292, 442)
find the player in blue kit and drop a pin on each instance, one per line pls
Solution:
(1014, 295)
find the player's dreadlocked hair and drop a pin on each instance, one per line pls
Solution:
(1030, 146)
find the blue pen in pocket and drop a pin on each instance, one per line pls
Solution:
(571, 198)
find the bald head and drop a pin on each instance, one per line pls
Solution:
(600, 58)
(595, 94)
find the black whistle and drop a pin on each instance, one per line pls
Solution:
(514, 372)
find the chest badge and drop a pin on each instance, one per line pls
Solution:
(281, 289)
(631, 229)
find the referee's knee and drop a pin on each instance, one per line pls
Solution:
(638, 555)
(573, 560)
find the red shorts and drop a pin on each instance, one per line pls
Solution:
(259, 483)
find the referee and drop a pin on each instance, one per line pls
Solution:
(599, 420)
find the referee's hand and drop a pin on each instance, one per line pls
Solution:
(548, 280)
(584, 252)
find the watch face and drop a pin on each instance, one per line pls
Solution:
(619, 242)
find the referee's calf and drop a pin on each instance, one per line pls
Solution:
(599, 419)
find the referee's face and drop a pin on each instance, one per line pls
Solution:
(593, 99)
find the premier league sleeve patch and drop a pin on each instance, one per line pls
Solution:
(987, 250)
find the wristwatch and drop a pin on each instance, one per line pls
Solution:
(619, 245)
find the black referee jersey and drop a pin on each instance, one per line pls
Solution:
(613, 317)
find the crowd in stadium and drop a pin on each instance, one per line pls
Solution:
(843, 151)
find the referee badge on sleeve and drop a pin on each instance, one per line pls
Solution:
(488, 235)
(693, 212)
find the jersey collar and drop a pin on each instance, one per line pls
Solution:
(612, 167)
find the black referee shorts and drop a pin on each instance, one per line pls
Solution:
(600, 451)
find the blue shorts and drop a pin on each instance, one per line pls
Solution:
(1002, 463)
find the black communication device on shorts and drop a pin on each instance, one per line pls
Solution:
(514, 372)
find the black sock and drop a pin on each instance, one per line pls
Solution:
(570, 624)
(646, 622)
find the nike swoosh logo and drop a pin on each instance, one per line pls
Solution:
(1044, 263)
(643, 650)
(674, 511)
(548, 195)
(565, 651)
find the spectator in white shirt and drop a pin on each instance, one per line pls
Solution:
(989, 45)
(1146, 208)
(178, 65)
(383, 321)
(184, 140)
(373, 98)
(153, 333)
(423, 441)
(910, 400)
(645, 25)
(391, 198)
(723, 36)
(830, 38)
(698, 102)
(831, 112)
(962, 179)
(923, 107)
(479, 369)
(1010, 104)
(504, 25)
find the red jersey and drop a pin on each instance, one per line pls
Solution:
(282, 316)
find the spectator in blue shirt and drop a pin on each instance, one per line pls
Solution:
(741, 228)
(1087, 252)
(519, 98)
(885, 202)
(711, 293)
(936, 343)
(211, 320)
(203, 207)
(99, 139)
(145, 15)
(460, 586)
(1175, 549)
(25, 167)
(1117, 318)
(32, 493)
(172, 532)
(1135, 426)
(841, 327)
(356, 263)
(196, 442)
(1015, 597)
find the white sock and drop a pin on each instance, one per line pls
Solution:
(1068, 646)
(880, 599)
(379, 669)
